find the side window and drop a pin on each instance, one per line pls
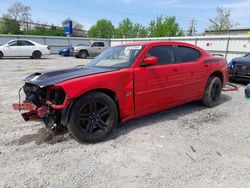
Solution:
(165, 54)
(13, 43)
(25, 43)
(94, 44)
(100, 44)
(186, 54)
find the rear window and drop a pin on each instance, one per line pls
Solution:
(25, 43)
(186, 54)
(98, 44)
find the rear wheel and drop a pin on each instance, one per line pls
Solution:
(93, 117)
(36, 55)
(1, 55)
(212, 92)
(83, 54)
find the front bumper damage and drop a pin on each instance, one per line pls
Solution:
(46, 104)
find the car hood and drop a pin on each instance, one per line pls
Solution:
(43, 79)
(242, 60)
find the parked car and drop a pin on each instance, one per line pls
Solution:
(123, 83)
(240, 68)
(89, 50)
(24, 48)
(65, 52)
(247, 91)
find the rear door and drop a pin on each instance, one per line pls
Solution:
(159, 86)
(97, 48)
(26, 48)
(193, 71)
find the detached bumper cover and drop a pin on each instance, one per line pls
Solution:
(33, 113)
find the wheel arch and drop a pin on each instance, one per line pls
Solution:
(67, 111)
(1, 53)
(218, 74)
(37, 50)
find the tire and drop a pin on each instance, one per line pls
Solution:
(212, 92)
(36, 55)
(1, 55)
(83, 54)
(93, 117)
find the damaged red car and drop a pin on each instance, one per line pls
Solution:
(123, 83)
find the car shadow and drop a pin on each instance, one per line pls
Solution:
(163, 116)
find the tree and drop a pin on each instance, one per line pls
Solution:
(128, 29)
(20, 12)
(102, 29)
(42, 30)
(9, 26)
(222, 21)
(165, 27)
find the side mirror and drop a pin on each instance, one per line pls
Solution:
(152, 60)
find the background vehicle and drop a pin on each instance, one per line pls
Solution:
(24, 48)
(240, 68)
(65, 52)
(247, 91)
(89, 50)
(123, 83)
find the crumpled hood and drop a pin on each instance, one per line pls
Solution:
(43, 79)
(242, 60)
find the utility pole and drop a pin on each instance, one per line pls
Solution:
(192, 30)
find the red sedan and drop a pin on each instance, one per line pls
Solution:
(123, 83)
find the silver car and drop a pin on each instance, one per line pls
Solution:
(91, 50)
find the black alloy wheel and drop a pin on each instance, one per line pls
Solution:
(93, 117)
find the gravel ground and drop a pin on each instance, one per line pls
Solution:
(188, 146)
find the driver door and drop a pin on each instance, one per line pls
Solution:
(11, 49)
(158, 87)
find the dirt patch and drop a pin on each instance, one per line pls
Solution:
(201, 119)
(43, 135)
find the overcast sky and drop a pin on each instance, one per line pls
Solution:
(141, 11)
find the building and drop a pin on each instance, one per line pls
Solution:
(234, 31)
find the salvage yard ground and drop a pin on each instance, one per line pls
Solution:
(188, 146)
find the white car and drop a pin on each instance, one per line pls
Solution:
(24, 48)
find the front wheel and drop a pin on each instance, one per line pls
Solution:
(212, 92)
(93, 117)
(83, 54)
(36, 55)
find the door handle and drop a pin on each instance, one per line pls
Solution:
(205, 65)
(175, 70)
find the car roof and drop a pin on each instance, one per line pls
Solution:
(150, 43)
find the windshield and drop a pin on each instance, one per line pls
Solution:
(118, 56)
